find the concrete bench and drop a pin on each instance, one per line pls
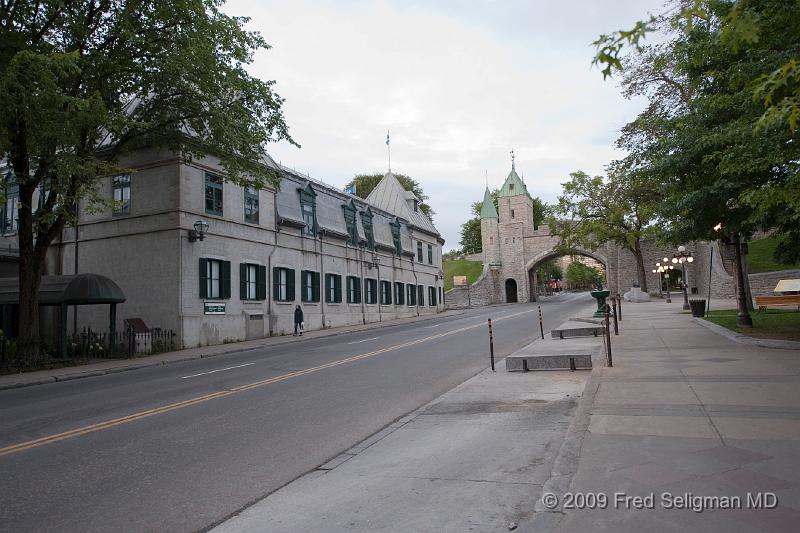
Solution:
(762, 302)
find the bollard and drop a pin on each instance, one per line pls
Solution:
(541, 327)
(491, 345)
(619, 299)
(608, 336)
(616, 327)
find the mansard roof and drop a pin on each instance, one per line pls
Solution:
(513, 186)
(488, 210)
(390, 196)
(330, 212)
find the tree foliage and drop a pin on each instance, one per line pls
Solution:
(580, 275)
(716, 153)
(595, 210)
(82, 83)
(365, 183)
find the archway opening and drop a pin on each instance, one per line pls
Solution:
(511, 291)
(556, 272)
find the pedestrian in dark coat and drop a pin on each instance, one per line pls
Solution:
(298, 320)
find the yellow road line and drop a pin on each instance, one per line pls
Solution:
(14, 448)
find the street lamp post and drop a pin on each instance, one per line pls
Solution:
(663, 274)
(683, 257)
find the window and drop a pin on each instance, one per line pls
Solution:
(399, 293)
(350, 221)
(419, 251)
(215, 279)
(283, 284)
(398, 246)
(416, 206)
(252, 282)
(370, 291)
(10, 210)
(386, 292)
(510, 186)
(432, 296)
(430, 254)
(512, 213)
(44, 192)
(309, 286)
(333, 288)
(121, 187)
(213, 194)
(308, 208)
(412, 294)
(353, 290)
(250, 205)
(366, 221)
(421, 295)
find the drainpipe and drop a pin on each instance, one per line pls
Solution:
(321, 280)
(414, 271)
(75, 271)
(269, 259)
(378, 268)
(361, 287)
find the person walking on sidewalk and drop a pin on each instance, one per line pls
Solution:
(298, 320)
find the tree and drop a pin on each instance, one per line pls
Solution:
(365, 183)
(82, 83)
(580, 275)
(595, 210)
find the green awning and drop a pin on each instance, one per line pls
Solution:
(78, 289)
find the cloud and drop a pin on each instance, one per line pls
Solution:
(458, 84)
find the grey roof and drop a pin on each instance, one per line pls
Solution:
(390, 196)
(76, 289)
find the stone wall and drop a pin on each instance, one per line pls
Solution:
(457, 298)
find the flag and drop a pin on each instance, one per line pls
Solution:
(387, 137)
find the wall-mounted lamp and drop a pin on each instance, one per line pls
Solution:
(199, 231)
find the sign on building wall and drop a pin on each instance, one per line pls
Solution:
(213, 308)
(460, 281)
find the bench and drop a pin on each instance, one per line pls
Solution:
(762, 302)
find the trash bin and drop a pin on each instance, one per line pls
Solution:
(698, 307)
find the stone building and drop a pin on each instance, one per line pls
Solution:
(343, 259)
(513, 249)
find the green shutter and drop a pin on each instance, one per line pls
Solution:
(225, 280)
(261, 282)
(289, 284)
(338, 289)
(275, 277)
(242, 281)
(203, 278)
(315, 286)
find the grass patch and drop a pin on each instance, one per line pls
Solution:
(461, 267)
(760, 257)
(783, 324)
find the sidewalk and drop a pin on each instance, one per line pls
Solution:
(111, 366)
(686, 413)
(683, 411)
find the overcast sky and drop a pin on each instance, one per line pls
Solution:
(458, 84)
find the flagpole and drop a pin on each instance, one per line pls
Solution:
(389, 150)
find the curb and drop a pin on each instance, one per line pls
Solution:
(153, 363)
(744, 339)
(565, 465)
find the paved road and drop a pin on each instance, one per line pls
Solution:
(181, 447)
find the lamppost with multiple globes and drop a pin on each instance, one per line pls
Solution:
(663, 273)
(683, 257)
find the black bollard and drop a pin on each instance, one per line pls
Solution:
(608, 336)
(541, 327)
(616, 327)
(619, 299)
(491, 345)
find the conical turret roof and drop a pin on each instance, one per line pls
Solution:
(488, 210)
(513, 186)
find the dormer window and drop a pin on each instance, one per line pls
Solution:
(366, 221)
(308, 208)
(350, 221)
(416, 206)
(395, 225)
(510, 186)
